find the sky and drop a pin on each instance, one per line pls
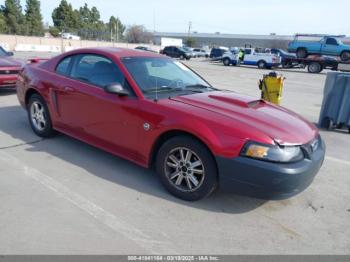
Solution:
(283, 17)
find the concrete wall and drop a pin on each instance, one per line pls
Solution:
(28, 43)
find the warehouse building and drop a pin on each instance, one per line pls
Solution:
(230, 40)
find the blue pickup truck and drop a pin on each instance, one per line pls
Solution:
(304, 45)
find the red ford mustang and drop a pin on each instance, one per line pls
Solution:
(155, 111)
(9, 68)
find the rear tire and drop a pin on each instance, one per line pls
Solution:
(39, 117)
(261, 64)
(301, 53)
(186, 168)
(182, 57)
(314, 68)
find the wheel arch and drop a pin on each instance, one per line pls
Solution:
(30, 91)
(301, 48)
(162, 138)
(262, 60)
(344, 51)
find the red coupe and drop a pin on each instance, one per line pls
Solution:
(155, 111)
(9, 68)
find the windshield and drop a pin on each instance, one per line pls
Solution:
(184, 49)
(3, 52)
(164, 76)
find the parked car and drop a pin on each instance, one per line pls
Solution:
(200, 52)
(9, 68)
(189, 50)
(253, 58)
(70, 36)
(177, 52)
(287, 59)
(155, 111)
(328, 45)
(145, 48)
(216, 52)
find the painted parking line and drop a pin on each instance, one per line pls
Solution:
(337, 160)
(104, 217)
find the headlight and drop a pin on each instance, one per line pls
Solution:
(273, 153)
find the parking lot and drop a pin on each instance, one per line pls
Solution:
(62, 196)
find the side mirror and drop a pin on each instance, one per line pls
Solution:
(10, 53)
(117, 89)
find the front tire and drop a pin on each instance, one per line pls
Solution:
(39, 117)
(226, 61)
(186, 168)
(345, 56)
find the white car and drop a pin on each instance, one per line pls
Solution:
(200, 52)
(70, 36)
(253, 58)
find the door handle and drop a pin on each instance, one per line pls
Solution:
(69, 89)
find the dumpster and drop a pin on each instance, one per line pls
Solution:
(335, 110)
(271, 87)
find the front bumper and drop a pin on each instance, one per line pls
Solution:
(8, 81)
(257, 178)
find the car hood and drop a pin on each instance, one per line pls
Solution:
(282, 125)
(10, 62)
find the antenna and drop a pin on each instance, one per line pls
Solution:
(154, 20)
(156, 99)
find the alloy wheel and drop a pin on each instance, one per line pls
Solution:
(38, 116)
(184, 169)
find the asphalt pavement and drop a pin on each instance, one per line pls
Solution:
(62, 196)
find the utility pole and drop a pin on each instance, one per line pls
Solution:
(116, 30)
(189, 29)
(154, 21)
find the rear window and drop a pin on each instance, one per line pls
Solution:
(63, 66)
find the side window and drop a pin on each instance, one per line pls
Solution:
(63, 66)
(247, 51)
(331, 41)
(96, 70)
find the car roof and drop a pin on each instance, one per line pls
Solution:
(115, 51)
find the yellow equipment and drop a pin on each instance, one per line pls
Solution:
(271, 87)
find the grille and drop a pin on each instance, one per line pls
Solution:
(8, 72)
(311, 147)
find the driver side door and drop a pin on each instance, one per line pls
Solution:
(330, 47)
(93, 115)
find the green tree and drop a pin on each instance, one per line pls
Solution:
(91, 27)
(65, 18)
(116, 29)
(54, 31)
(3, 26)
(191, 42)
(12, 11)
(34, 18)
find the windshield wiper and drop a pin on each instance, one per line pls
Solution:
(161, 89)
(198, 86)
